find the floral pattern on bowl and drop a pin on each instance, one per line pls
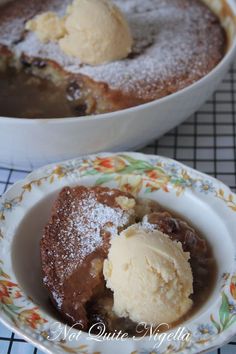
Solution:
(142, 175)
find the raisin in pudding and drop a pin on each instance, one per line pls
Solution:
(174, 43)
(110, 258)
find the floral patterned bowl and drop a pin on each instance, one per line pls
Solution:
(25, 208)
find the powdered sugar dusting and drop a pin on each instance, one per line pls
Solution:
(146, 225)
(171, 38)
(12, 19)
(81, 233)
(57, 298)
(99, 216)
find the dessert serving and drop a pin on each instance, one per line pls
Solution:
(128, 238)
(111, 259)
(88, 57)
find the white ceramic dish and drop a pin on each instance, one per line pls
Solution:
(25, 209)
(31, 143)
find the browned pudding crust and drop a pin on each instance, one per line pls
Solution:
(179, 230)
(176, 42)
(75, 243)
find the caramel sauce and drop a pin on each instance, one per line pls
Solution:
(26, 96)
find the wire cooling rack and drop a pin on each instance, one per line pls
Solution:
(206, 141)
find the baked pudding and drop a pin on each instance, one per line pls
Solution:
(110, 258)
(175, 43)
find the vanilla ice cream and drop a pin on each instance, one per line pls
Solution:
(149, 275)
(95, 31)
(47, 26)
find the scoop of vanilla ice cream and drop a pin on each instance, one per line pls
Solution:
(47, 26)
(149, 275)
(97, 32)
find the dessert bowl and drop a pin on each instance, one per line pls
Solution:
(25, 209)
(26, 143)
